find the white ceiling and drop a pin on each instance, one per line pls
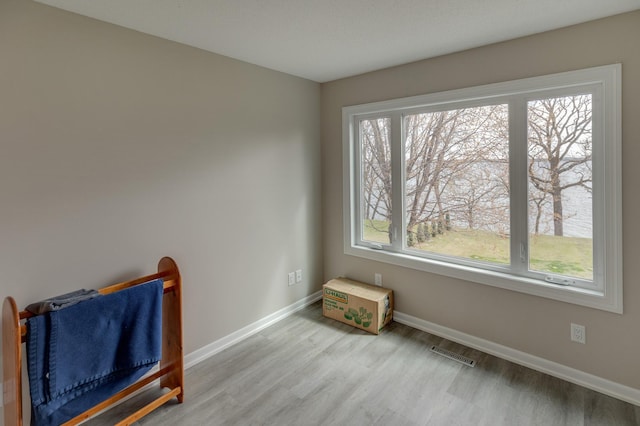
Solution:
(323, 40)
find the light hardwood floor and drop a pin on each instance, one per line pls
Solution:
(310, 370)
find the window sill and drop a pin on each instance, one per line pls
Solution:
(568, 294)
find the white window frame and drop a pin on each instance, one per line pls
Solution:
(604, 83)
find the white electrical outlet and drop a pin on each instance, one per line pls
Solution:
(298, 275)
(292, 278)
(378, 279)
(578, 333)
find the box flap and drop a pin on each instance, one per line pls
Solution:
(357, 288)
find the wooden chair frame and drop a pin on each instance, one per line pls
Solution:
(170, 373)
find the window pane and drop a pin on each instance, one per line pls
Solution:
(560, 201)
(457, 183)
(375, 180)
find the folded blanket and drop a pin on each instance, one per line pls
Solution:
(81, 355)
(62, 301)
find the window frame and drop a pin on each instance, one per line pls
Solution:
(604, 83)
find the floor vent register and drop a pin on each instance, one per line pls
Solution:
(454, 356)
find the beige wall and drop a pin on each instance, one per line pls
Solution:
(117, 148)
(531, 324)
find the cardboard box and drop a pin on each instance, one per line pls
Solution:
(358, 304)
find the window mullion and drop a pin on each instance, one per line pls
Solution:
(518, 184)
(397, 182)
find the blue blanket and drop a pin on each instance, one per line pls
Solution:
(81, 355)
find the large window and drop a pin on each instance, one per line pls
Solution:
(515, 185)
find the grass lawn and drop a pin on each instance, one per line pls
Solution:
(557, 255)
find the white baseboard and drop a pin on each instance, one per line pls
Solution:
(590, 381)
(607, 387)
(219, 345)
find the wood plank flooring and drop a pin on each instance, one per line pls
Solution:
(310, 370)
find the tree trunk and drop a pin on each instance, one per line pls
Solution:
(538, 216)
(558, 228)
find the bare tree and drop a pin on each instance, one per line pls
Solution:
(429, 141)
(376, 169)
(480, 200)
(559, 149)
(457, 167)
(539, 201)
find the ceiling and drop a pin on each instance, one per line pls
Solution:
(324, 40)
